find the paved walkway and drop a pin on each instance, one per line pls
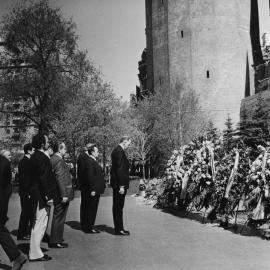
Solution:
(158, 241)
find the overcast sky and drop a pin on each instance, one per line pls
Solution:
(113, 32)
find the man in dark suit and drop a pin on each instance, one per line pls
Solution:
(92, 186)
(26, 217)
(6, 240)
(65, 194)
(119, 183)
(82, 161)
(43, 193)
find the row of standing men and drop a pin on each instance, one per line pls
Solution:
(45, 180)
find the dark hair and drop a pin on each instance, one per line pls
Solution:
(124, 138)
(27, 147)
(91, 149)
(56, 146)
(38, 140)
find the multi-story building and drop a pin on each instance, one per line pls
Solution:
(15, 129)
(208, 46)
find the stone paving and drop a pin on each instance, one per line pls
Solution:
(158, 241)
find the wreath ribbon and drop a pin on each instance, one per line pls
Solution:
(233, 174)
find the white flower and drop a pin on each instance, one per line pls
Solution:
(257, 162)
(254, 177)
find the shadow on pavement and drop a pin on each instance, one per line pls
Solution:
(182, 214)
(24, 247)
(240, 229)
(105, 228)
(4, 266)
(75, 225)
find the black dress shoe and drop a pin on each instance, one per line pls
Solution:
(94, 231)
(122, 232)
(42, 259)
(91, 231)
(58, 245)
(24, 238)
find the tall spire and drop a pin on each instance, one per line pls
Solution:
(255, 33)
(247, 86)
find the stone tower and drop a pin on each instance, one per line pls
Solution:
(208, 46)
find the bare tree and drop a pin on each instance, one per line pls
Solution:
(166, 121)
(142, 148)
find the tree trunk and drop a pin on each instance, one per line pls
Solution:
(43, 127)
(104, 158)
(143, 170)
(149, 168)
